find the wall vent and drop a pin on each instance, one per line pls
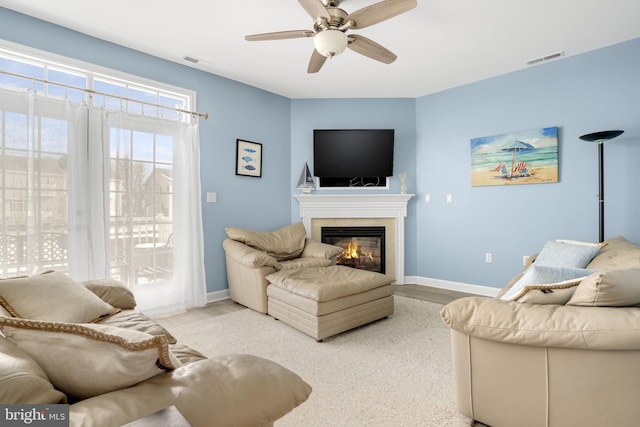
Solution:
(191, 59)
(545, 58)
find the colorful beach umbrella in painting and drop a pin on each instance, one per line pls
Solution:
(516, 146)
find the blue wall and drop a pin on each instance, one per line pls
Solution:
(595, 91)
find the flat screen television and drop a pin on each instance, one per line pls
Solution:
(348, 153)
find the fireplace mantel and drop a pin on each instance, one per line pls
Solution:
(360, 206)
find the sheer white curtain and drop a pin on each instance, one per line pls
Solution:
(43, 185)
(101, 194)
(162, 157)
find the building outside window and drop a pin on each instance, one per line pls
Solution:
(35, 181)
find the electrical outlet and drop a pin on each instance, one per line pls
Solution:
(212, 197)
(427, 198)
(488, 257)
(449, 198)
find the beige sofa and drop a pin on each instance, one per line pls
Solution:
(85, 345)
(252, 255)
(556, 354)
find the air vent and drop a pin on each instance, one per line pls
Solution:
(191, 59)
(544, 58)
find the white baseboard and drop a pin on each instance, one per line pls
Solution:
(452, 286)
(218, 295)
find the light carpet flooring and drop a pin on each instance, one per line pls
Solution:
(393, 372)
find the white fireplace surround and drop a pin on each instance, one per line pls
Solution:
(393, 206)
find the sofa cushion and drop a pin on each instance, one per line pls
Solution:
(546, 285)
(186, 354)
(306, 262)
(316, 249)
(85, 360)
(282, 244)
(618, 253)
(52, 296)
(545, 325)
(562, 254)
(228, 390)
(112, 292)
(22, 380)
(247, 256)
(134, 320)
(246, 391)
(327, 283)
(613, 288)
(4, 312)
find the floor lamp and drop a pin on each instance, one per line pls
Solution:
(600, 138)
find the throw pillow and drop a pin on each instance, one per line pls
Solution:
(22, 381)
(136, 321)
(546, 285)
(614, 288)
(320, 250)
(85, 360)
(580, 242)
(52, 296)
(282, 244)
(619, 253)
(303, 262)
(561, 254)
(112, 292)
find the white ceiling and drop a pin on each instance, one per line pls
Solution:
(440, 44)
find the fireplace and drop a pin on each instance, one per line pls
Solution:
(341, 210)
(364, 247)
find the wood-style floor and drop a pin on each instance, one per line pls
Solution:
(218, 308)
(426, 293)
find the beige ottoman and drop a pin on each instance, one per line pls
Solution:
(324, 301)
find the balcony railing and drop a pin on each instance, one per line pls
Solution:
(140, 252)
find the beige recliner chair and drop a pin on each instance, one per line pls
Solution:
(252, 255)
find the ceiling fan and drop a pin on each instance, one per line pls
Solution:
(330, 24)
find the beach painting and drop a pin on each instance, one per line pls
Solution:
(524, 157)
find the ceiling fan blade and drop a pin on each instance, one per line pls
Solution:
(379, 12)
(314, 8)
(373, 50)
(280, 35)
(316, 62)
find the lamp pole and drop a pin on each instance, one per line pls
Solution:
(600, 138)
(601, 188)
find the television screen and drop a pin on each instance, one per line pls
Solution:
(342, 153)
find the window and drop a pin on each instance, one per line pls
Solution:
(87, 177)
(141, 204)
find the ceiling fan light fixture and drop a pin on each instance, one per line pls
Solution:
(330, 43)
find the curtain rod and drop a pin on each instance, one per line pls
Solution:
(95, 92)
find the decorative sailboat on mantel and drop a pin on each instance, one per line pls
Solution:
(305, 183)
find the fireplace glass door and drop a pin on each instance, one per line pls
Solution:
(363, 246)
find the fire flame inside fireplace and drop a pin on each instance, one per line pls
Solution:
(362, 247)
(352, 251)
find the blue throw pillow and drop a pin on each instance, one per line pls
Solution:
(561, 254)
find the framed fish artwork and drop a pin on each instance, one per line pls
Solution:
(248, 158)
